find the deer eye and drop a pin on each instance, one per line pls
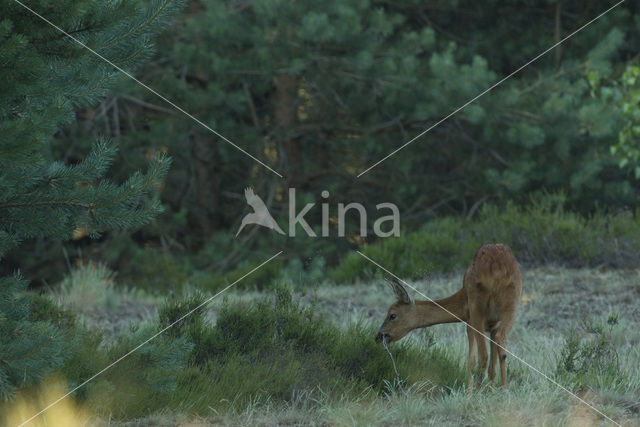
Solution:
(393, 316)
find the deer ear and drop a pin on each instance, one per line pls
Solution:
(399, 290)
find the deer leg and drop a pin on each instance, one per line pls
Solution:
(493, 358)
(506, 323)
(481, 345)
(470, 360)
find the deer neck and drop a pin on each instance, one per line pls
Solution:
(446, 310)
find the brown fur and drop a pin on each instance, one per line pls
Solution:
(488, 301)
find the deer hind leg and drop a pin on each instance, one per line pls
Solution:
(493, 358)
(470, 360)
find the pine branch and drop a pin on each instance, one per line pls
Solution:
(47, 203)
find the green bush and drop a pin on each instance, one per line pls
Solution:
(156, 269)
(413, 255)
(81, 357)
(275, 349)
(261, 278)
(272, 350)
(31, 346)
(145, 380)
(542, 233)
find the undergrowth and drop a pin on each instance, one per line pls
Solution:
(541, 234)
(277, 353)
(279, 349)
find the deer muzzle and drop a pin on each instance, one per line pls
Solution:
(383, 338)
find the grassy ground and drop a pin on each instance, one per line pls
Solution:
(556, 301)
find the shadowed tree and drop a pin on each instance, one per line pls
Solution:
(44, 77)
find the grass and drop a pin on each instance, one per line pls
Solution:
(87, 286)
(552, 314)
(275, 358)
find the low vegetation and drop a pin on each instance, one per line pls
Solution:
(541, 234)
(589, 357)
(275, 350)
(269, 356)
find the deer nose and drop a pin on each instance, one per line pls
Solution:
(380, 337)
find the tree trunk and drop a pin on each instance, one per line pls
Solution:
(207, 183)
(285, 119)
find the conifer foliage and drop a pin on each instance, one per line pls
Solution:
(44, 77)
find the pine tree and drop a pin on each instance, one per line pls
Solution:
(44, 77)
(322, 90)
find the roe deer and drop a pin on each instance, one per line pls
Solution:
(488, 300)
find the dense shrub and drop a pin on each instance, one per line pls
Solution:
(43, 309)
(261, 278)
(543, 233)
(31, 346)
(142, 382)
(277, 348)
(155, 269)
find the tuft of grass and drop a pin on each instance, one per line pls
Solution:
(588, 358)
(88, 286)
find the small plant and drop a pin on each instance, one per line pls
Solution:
(89, 285)
(193, 327)
(592, 358)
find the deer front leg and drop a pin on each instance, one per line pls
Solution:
(501, 340)
(481, 345)
(470, 360)
(508, 318)
(493, 358)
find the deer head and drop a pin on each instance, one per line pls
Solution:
(400, 317)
